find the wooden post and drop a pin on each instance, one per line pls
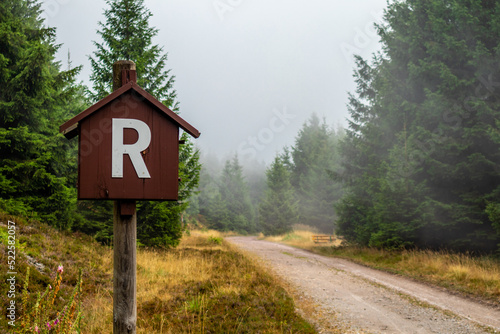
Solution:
(124, 247)
(124, 273)
(118, 67)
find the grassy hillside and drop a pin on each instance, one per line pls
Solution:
(475, 276)
(203, 286)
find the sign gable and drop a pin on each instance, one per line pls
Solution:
(69, 128)
(158, 157)
(128, 147)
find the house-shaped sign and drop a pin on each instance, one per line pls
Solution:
(128, 147)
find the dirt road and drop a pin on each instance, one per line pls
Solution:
(368, 300)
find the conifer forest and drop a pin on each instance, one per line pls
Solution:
(416, 164)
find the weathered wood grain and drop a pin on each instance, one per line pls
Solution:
(125, 272)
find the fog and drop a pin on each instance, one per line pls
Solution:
(248, 73)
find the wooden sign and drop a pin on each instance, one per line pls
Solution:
(128, 147)
(128, 150)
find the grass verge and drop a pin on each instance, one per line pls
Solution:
(474, 276)
(477, 277)
(203, 286)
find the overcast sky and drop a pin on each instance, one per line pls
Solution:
(248, 73)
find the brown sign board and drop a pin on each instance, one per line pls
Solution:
(128, 147)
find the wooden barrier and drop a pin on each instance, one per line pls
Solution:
(323, 238)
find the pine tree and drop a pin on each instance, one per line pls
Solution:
(36, 174)
(314, 154)
(364, 149)
(278, 210)
(126, 35)
(213, 210)
(422, 150)
(234, 194)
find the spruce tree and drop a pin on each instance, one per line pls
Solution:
(37, 174)
(421, 156)
(127, 35)
(213, 210)
(278, 210)
(235, 195)
(314, 154)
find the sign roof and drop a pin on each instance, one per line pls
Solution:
(70, 128)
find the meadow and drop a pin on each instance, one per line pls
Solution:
(203, 286)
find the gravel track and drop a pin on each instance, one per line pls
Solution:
(368, 300)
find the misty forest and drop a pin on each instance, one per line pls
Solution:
(417, 164)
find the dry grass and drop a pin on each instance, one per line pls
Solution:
(49, 248)
(462, 272)
(203, 286)
(471, 275)
(474, 276)
(300, 237)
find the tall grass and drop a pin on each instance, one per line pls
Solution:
(476, 276)
(463, 272)
(203, 286)
(43, 249)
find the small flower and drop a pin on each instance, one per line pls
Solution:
(36, 329)
(60, 269)
(50, 287)
(49, 326)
